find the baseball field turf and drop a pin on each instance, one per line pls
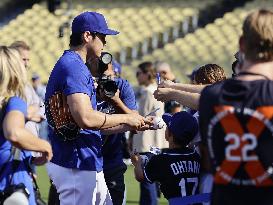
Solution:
(131, 185)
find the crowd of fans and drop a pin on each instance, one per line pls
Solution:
(215, 147)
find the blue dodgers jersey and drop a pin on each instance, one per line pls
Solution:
(112, 147)
(70, 75)
(21, 174)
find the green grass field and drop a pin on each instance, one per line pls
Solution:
(132, 186)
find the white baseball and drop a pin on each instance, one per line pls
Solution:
(158, 123)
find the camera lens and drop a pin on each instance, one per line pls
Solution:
(106, 58)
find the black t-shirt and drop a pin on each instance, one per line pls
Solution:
(236, 126)
(177, 171)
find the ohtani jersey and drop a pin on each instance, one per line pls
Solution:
(236, 125)
(177, 171)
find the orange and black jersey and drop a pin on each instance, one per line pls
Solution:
(236, 124)
(177, 171)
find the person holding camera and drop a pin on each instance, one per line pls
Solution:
(115, 95)
(75, 125)
(16, 141)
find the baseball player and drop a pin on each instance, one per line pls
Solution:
(76, 168)
(177, 168)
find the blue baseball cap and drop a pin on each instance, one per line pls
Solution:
(182, 125)
(116, 67)
(93, 22)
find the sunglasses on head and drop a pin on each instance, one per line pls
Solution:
(100, 36)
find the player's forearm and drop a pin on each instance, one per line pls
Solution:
(117, 129)
(98, 120)
(188, 99)
(188, 87)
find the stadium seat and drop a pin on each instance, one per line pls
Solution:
(216, 43)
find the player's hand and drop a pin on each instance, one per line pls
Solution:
(166, 84)
(149, 122)
(135, 121)
(163, 94)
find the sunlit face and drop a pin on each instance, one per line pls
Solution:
(25, 56)
(163, 74)
(142, 78)
(96, 43)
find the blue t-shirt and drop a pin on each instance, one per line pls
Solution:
(20, 175)
(112, 147)
(69, 76)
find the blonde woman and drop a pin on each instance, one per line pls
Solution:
(13, 110)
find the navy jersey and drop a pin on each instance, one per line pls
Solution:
(236, 126)
(177, 171)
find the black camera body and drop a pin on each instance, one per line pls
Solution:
(105, 83)
(8, 191)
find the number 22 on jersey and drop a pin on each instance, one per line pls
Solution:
(241, 148)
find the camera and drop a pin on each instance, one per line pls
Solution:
(105, 83)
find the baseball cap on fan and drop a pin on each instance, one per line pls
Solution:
(93, 22)
(182, 125)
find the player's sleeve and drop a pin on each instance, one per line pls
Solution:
(128, 96)
(152, 170)
(76, 79)
(16, 104)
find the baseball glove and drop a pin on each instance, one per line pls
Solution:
(59, 117)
